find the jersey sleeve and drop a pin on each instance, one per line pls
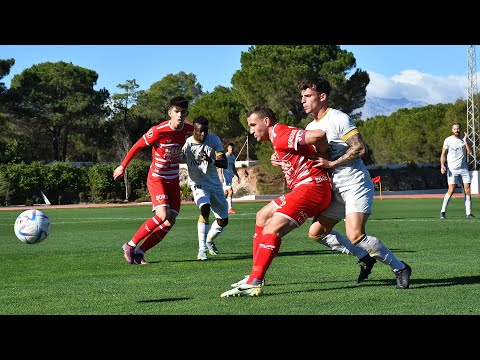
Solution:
(134, 150)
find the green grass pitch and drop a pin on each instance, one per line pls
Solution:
(79, 269)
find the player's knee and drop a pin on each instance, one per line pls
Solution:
(205, 211)
(222, 222)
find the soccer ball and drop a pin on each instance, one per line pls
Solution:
(32, 226)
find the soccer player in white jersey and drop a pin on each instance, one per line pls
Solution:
(226, 177)
(203, 154)
(351, 184)
(453, 152)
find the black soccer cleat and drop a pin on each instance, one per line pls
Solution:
(470, 217)
(403, 277)
(442, 216)
(366, 265)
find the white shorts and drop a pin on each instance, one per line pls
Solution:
(206, 194)
(453, 176)
(228, 183)
(355, 199)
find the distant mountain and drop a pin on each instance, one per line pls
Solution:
(380, 106)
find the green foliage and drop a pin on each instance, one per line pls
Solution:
(15, 151)
(153, 104)
(101, 185)
(409, 135)
(186, 192)
(52, 100)
(271, 74)
(225, 114)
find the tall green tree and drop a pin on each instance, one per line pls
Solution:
(271, 74)
(152, 105)
(53, 101)
(224, 113)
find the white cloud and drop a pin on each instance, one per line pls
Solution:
(417, 86)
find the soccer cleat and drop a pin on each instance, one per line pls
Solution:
(240, 282)
(139, 259)
(243, 281)
(244, 290)
(470, 217)
(232, 211)
(202, 255)
(128, 253)
(212, 249)
(442, 216)
(366, 264)
(403, 277)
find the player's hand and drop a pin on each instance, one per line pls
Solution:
(118, 172)
(202, 155)
(465, 137)
(443, 169)
(274, 160)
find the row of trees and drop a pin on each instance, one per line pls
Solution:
(51, 111)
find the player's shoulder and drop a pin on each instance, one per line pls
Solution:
(338, 115)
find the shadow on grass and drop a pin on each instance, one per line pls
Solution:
(164, 300)
(243, 256)
(415, 284)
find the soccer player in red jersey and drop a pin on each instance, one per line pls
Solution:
(310, 191)
(166, 140)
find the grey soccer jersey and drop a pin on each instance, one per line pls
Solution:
(228, 172)
(201, 172)
(339, 127)
(456, 158)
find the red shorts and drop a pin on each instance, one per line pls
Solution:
(304, 201)
(165, 194)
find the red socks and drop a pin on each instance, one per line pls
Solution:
(154, 238)
(146, 228)
(267, 249)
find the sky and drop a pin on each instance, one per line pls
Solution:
(427, 73)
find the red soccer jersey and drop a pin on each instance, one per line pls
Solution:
(296, 166)
(166, 146)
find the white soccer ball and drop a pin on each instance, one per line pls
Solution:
(32, 226)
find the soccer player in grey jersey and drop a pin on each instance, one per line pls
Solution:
(203, 154)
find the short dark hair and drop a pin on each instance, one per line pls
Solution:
(201, 120)
(262, 111)
(319, 84)
(179, 101)
(231, 144)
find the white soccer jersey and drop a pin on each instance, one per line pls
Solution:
(339, 127)
(201, 172)
(456, 158)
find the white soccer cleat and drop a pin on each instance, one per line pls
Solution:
(202, 255)
(244, 290)
(241, 282)
(212, 249)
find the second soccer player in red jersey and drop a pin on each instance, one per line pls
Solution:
(166, 140)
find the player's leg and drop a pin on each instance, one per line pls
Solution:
(293, 209)
(448, 195)
(168, 210)
(157, 191)
(202, 199)
(355, 229)
(466, 180)
(220, 211)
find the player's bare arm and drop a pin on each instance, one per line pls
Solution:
(467, 144)
(443, 158)
(356, 149)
